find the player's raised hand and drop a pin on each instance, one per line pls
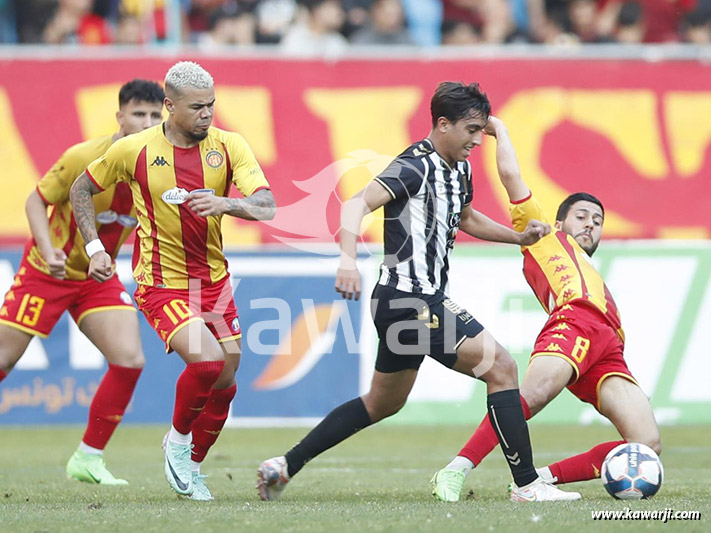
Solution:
(493, 125)
(57, 261)
(348, 283)
(205, 203)
(535, 230)
(100, 267)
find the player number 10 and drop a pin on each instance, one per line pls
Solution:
(177, 310)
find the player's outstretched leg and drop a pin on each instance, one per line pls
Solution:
(388, 393)
(447, 484)
(345, 420)
(545, 378)
(482, 357)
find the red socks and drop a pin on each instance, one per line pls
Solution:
(484, 438)
(191, 392)
(583, 466)
(208, 425)
(109, 404)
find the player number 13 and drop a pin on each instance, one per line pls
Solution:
(30, 309)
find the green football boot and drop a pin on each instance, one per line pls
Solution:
(447, 485)
(200, 491)
(91, 468)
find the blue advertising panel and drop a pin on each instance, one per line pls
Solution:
(300, 350)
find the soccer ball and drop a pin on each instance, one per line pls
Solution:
(632, 471)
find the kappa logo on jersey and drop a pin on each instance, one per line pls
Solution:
(235, 326)
(159, 161)
(125, 298)
(214, 159)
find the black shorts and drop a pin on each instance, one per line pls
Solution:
(411, 326)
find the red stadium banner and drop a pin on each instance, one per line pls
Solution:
(636, 134)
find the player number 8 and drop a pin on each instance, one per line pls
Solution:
(580, 350)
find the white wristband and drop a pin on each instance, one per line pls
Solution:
(93, 247)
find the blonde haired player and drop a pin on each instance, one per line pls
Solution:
(180, 173)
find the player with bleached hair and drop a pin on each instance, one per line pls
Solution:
(180, 173)
(581, 345)
(53, 278)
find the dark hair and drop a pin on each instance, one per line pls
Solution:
(630, 14)
(311, 5)
(564, 208)
(454, 100)
(697, 18)
(141, 91)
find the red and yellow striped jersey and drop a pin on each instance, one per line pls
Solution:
(174, 244)
(559, 271)
(112, 206)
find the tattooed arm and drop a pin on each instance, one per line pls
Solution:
(80, 196)
(259, 206)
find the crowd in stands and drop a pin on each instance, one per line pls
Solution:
(330, 26)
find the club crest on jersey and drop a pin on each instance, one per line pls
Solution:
(214, 159)
(176, 195)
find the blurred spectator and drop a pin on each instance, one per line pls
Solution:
(74, 22)
(129, 31)
(696, 27)
(357, 16)
(630, 24)
(662, 18)
(274, 18)
(459, 33)
(557, 28)
(534, 21)
(317, 31)
(199, 14)
(583, 17)
(230, 24)
(155, 26)
(387, 25)
(492, 18)
(8, 29)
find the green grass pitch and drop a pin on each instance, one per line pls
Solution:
(375, 481)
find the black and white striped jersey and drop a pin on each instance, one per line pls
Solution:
(422, 219)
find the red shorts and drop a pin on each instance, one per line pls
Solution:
(170, 310)
(579, 334)
(36, 300)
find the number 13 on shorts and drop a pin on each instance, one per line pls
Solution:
(30, 309)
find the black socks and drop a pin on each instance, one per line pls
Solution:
(341, 423)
